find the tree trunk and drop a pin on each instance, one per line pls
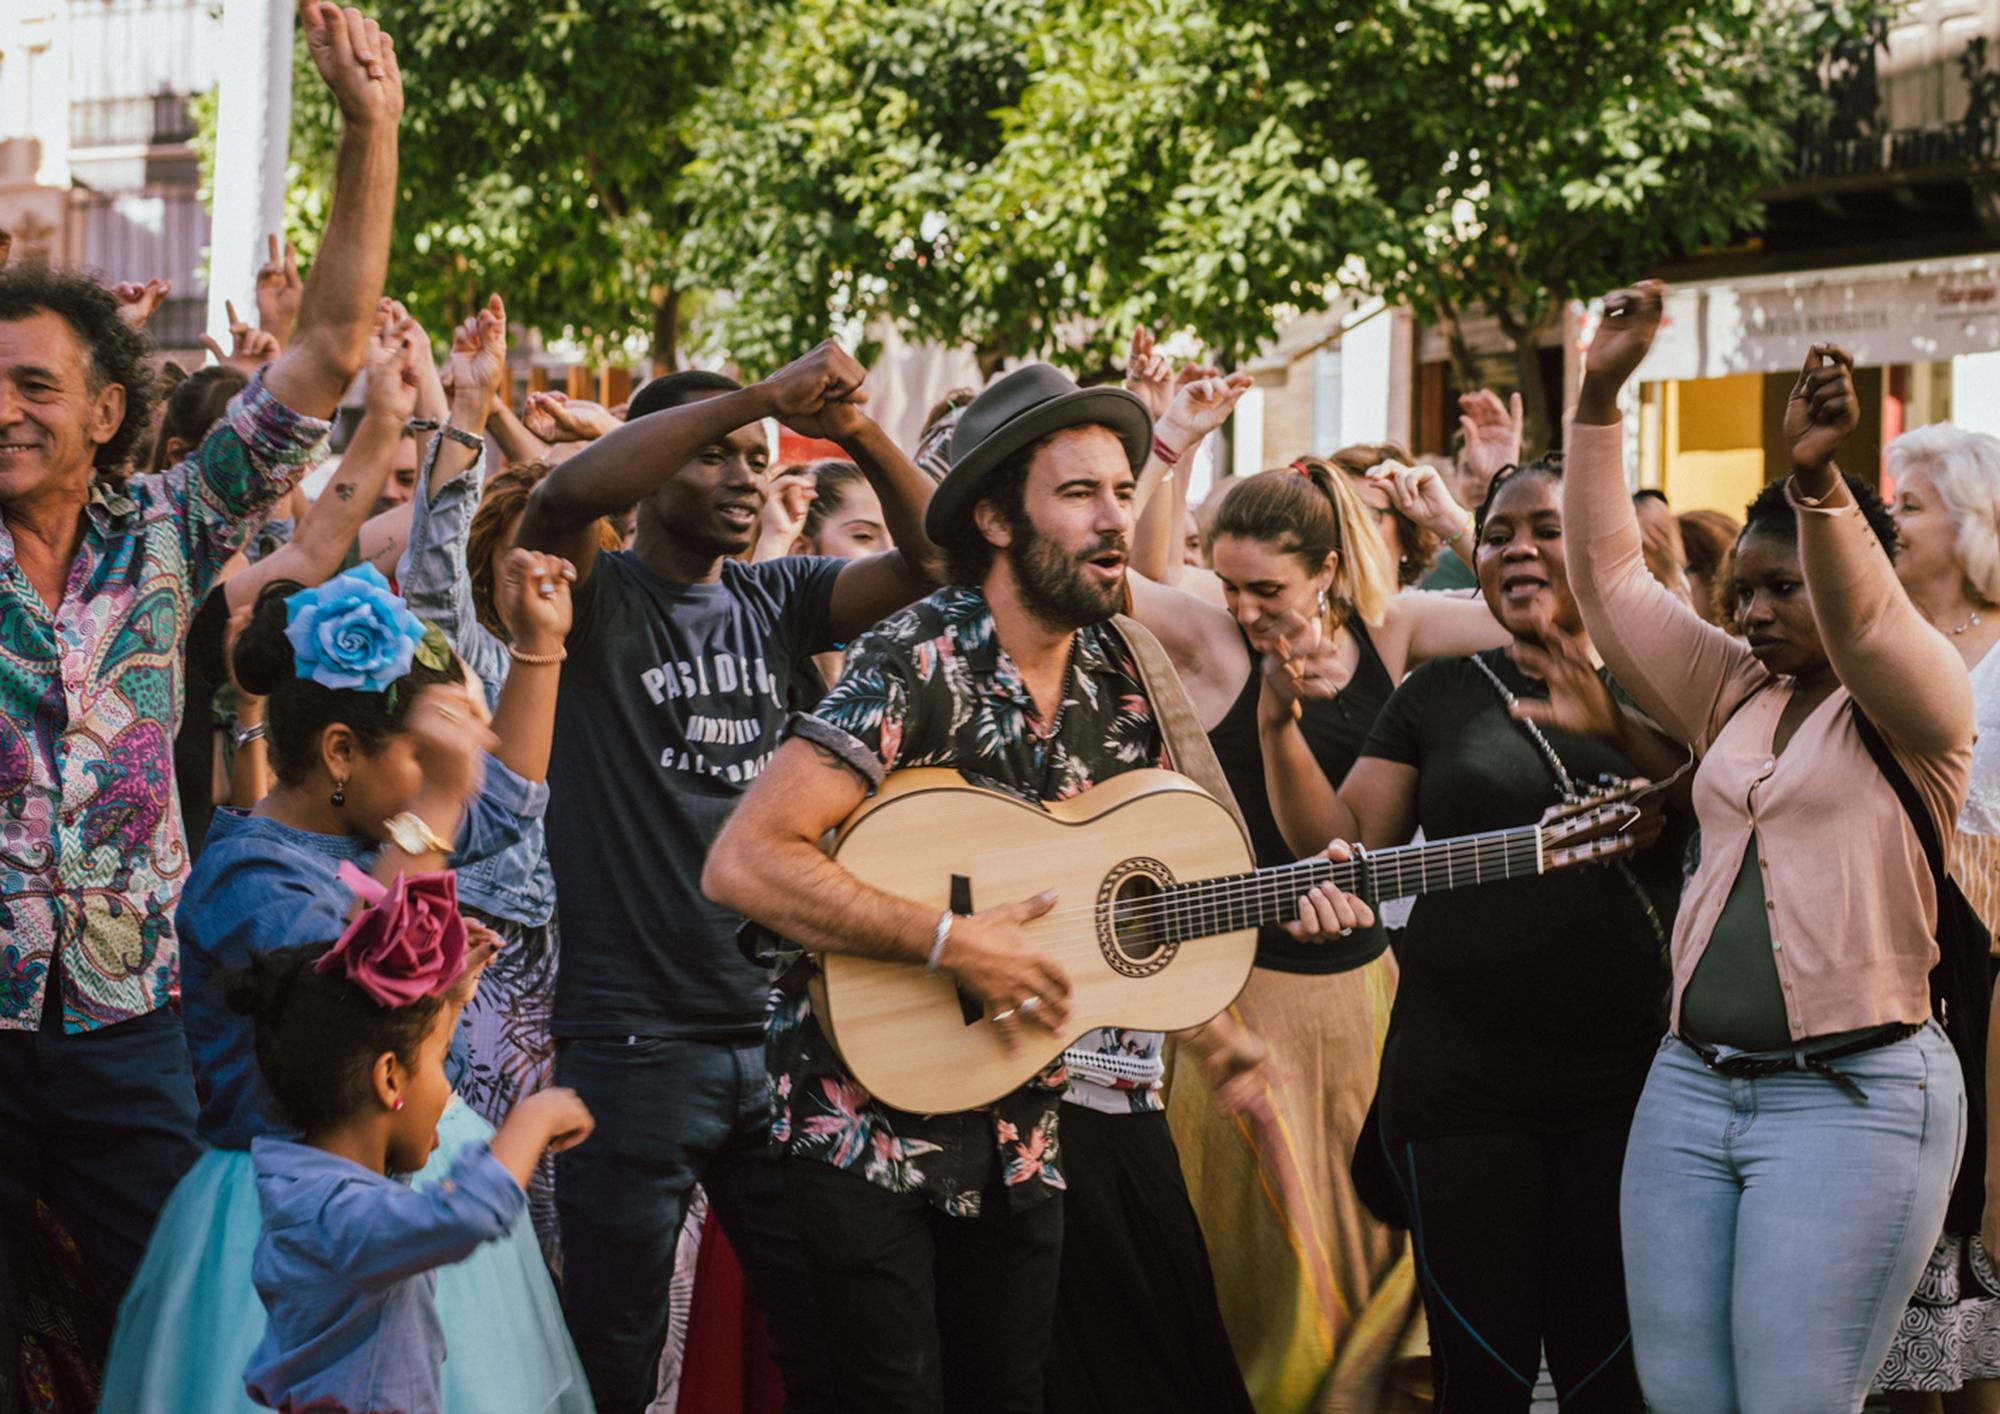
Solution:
(1534, 393)
(667, 332)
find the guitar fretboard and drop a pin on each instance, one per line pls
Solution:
(1228, 905)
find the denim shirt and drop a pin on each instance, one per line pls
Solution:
(260, 885)
(347, 1266)
(515, 884)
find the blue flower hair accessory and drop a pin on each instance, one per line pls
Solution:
(353, 632)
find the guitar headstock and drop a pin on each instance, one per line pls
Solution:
(1617, 818)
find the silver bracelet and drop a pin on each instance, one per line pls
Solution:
(464, 439)
(243, 736)
(938, 937)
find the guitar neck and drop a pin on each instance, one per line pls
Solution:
(1265, 896)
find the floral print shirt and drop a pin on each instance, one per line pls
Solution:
(932, 686)
(91, 852)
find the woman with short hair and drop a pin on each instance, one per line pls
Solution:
(1946, 1355)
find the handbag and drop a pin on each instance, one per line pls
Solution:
(1961, 982)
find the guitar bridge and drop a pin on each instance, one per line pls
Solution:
(961, 903)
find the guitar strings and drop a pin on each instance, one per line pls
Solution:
(1282, 879)
(1474, 852)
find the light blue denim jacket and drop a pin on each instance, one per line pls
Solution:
(515, 884)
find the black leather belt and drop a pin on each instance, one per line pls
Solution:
(1750, 1065)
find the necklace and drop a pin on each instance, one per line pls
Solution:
(1972, 622)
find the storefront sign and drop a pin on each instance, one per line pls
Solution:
(1906, 313)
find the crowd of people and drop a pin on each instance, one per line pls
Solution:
(412, 898)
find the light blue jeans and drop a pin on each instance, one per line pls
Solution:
(1775, 1228)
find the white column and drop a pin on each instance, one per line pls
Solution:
(1975, 392)
(253, 128)
(1366, 358)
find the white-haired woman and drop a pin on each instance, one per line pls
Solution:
(1947, 508)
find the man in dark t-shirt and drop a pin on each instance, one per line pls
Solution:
(675, 684)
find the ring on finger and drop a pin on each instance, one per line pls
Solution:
(1029, 1005)
(1007, 1015)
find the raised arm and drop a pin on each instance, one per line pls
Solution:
(625, 466)
(531, 592)
(1902, 672)
(313, 554)
(516, 442)
(869, 590)
(433, 573)
(1684, 672)
(337, 307)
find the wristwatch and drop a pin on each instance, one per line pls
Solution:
(408, 832)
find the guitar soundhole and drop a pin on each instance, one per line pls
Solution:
(1131, 922)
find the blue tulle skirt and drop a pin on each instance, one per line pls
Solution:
(192, 1318)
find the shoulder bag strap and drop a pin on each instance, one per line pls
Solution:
(1906, 791)
(1187, 744)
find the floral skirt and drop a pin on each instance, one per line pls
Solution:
(1950, 1331)
(193, 1317)
(1319, 1298)
(503, 1051)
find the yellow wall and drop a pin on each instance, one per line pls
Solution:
(1713, 442)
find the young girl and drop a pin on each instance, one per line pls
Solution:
(351, 1039)
(383, 760)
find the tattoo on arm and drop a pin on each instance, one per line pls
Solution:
(344, 490)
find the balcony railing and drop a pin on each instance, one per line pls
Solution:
(131, 122)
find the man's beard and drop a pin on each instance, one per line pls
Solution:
(1054, 587)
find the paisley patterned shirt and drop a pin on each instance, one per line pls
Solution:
(91, 853)
(932, 686)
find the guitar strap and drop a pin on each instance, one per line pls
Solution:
(1180, 725)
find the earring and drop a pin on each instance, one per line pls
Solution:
(1322, 603)
(339, 793)
(398, 1103)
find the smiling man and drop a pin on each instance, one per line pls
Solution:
(97, 1101)
(672, 697)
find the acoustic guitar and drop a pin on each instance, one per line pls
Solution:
(1155, 920)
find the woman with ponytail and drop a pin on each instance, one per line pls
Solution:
(1317, 1295)
(386, 763)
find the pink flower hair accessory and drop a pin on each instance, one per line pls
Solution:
(409, 943)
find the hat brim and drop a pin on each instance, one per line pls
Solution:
(949, 515)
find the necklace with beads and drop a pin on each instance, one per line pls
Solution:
(1970, 623)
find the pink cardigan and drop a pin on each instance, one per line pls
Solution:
(1852, 909)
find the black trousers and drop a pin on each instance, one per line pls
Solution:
(1517, 1246)
(924, 1313)
(671, 1113)
(100, 1126)
(1137, 1324)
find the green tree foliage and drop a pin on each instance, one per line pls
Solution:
(829, 179)
(1216, 164)
(544, 145)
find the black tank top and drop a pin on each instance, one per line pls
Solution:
(1335, 730)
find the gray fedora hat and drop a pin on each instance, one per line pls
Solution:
(1021, 408)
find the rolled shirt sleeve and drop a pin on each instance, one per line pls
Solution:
(253, 456)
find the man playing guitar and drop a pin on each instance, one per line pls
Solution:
(933, 1240)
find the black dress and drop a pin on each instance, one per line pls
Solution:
(1527, 1015)
(1335, 730)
